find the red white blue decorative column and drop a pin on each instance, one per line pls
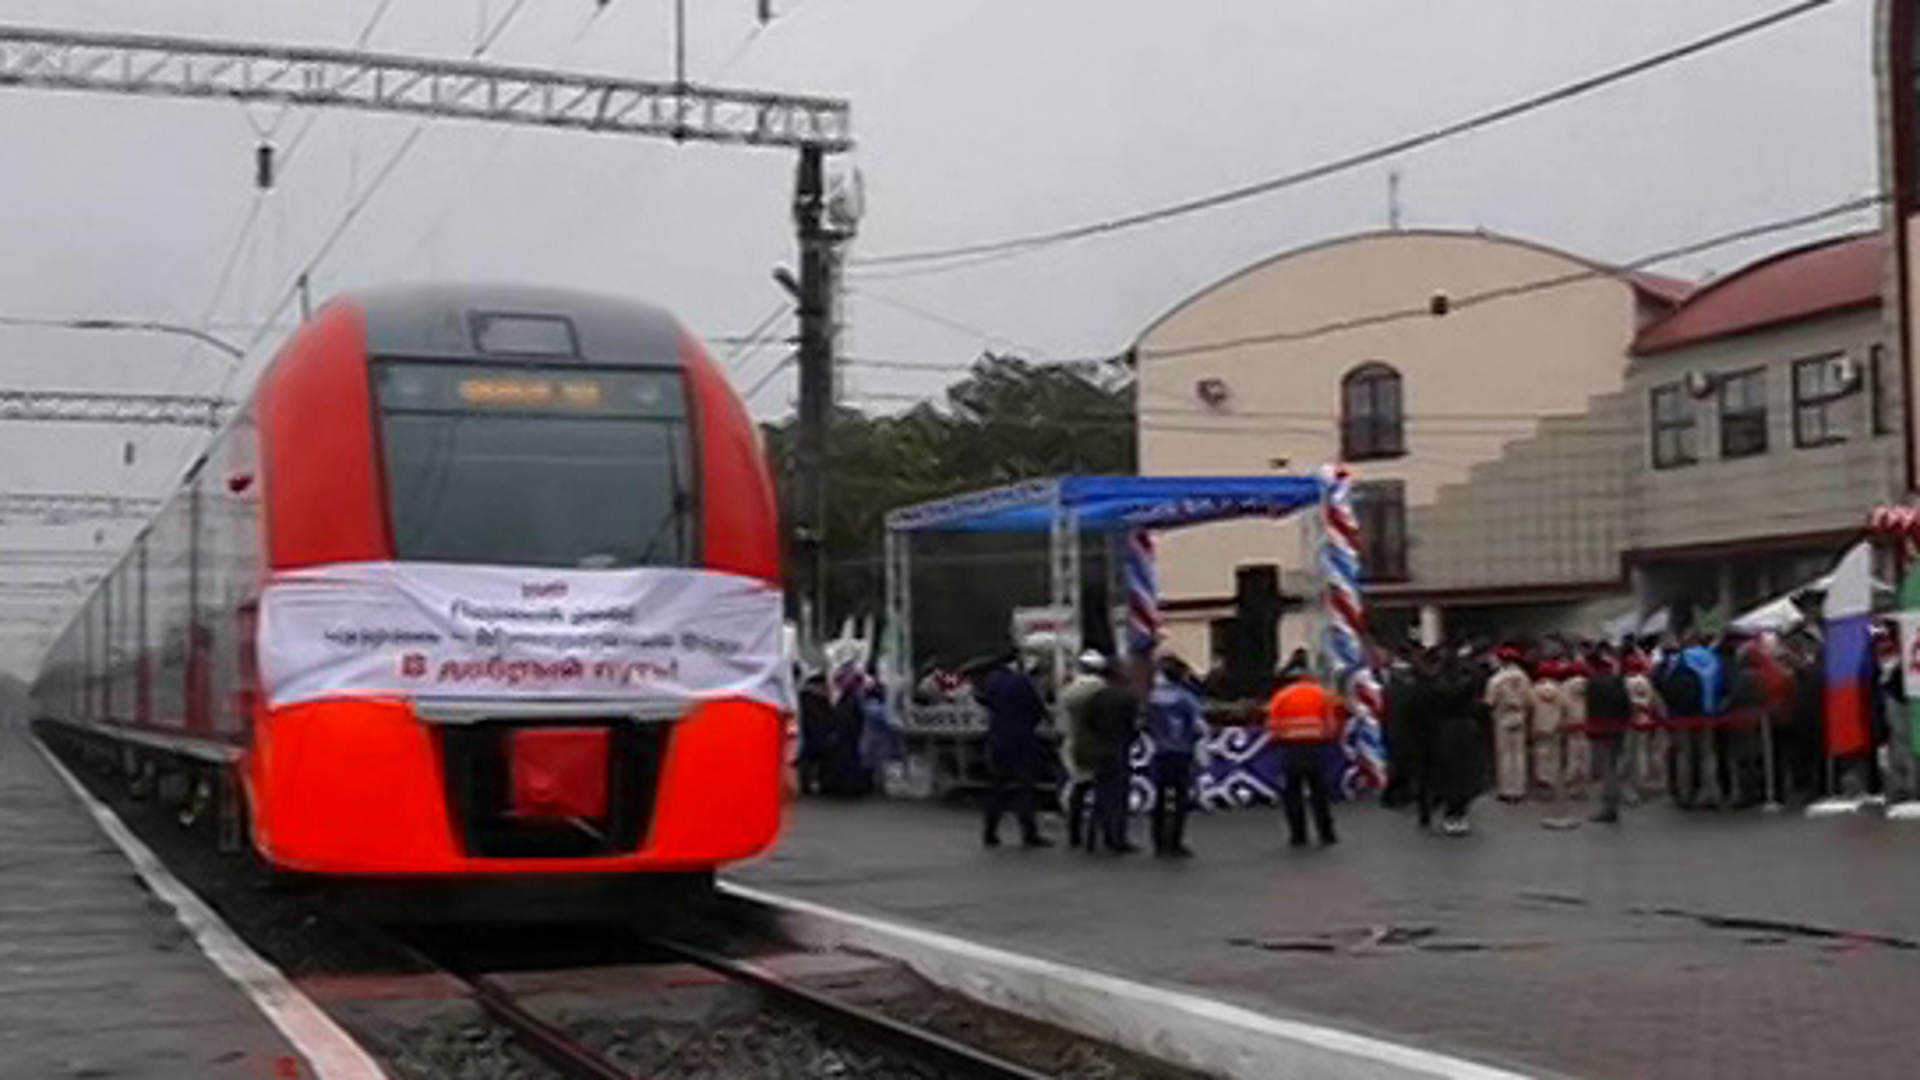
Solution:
(1143, 594)
(1344, 641)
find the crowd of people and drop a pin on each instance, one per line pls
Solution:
(1105, 709)
(1726, 722)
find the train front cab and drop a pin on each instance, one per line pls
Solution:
(365, 458)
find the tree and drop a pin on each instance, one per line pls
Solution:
(1008, 420)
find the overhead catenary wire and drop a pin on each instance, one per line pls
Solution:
(1423, 311)
(292, 289)
(761, 383)
(1327, 426)
(1549, 283)
(1396, 148)
(228, 265)
(352, 214)
(500, 140)
(740, 52)
(360, 41)
(500, 27)
(921, 312)
(757, 338)
(285, 157)
(254, 211)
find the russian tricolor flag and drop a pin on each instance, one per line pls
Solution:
(1848, 611)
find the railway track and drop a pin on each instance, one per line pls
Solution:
(604, 1000)
(573, 1059)
(951, 1057)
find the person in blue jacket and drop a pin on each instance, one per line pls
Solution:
(1176, 724)
(1695, 694)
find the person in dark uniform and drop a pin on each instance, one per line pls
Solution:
(1418, 757)
(1015, 712)
(845, 771)
(1451, 732)
(1399, 691)
(1609, 717)
(816, 734)
(1804, 752)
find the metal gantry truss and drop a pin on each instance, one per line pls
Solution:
(90, 407)
(73, 586)
(66, 506)
(342, 78)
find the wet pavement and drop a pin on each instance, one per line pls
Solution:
(1674, 946)
(96, 977)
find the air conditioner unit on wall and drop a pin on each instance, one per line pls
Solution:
(1702, 383)
(1212, 392)
(1844, 370)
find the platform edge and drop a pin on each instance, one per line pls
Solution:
(1183, 1029)
(330, 1052)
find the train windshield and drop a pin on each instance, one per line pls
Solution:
(533, 466)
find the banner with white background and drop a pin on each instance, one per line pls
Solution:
(485, 633)
(1909, 623)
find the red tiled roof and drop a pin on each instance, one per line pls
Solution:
(1831, 276)
(1672, 290)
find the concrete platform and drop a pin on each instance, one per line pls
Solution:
(97, 978)
(1676, 947)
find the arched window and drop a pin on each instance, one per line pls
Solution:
(1372, 424)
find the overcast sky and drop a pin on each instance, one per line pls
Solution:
(975, 118)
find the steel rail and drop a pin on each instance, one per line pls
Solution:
(949, 1056)
(547, 1041)
(576, 1061)
(567, 1055)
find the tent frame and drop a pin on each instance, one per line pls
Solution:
(1064, 527)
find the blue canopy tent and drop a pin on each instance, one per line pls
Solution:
(1063, 508)
(1111, 503)
(1130, 506)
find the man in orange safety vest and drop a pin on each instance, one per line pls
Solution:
(1304, 719)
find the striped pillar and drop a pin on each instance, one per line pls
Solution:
(1345, 641)
(1143, 594)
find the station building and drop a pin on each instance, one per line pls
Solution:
(1540, 441)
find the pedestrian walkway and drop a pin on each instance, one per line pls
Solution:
(1676, 947)
(97, 979)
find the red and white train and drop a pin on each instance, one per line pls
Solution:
(480, 582)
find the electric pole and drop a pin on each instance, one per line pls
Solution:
(814, 295)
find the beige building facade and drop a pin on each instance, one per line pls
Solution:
(1541, 442)
(1775, 423)
(1308, 358)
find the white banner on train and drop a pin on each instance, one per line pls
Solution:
(485, 633)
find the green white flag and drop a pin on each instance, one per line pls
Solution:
(1713, 621)
(1910, 650)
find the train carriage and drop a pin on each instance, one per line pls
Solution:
(482, 581)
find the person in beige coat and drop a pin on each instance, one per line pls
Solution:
(1510, 700)
(1549, 767)
(1647, 745)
